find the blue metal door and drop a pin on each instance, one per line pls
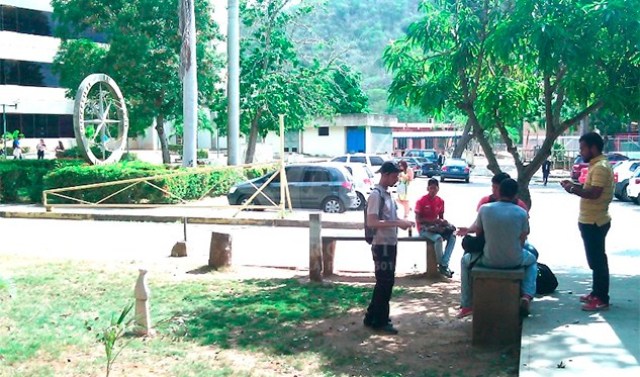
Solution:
(356, 140)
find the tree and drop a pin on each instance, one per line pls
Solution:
(502, 63)
(274, 80)
(141, 54)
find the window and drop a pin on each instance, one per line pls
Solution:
(358, 160)
(340, 159)
(294, 174)
(323, 131)
(41, 125)
(316, 175)
(17, 72)
(376, 160)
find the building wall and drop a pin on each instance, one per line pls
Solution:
(326, 146)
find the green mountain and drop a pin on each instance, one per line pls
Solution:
(356, 32)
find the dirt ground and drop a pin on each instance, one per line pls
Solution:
(431, 342)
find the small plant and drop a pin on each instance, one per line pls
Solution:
(112, 334)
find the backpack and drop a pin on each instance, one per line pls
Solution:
(369, 233)
(546, 281)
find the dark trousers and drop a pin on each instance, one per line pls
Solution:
(594, 237)
(545, 177)
(384, 259)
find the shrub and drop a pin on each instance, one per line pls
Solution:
(21, 181)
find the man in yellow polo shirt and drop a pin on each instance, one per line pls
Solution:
(594, 221)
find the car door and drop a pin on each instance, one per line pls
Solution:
(316, 186)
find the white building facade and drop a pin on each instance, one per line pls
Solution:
(35, 103)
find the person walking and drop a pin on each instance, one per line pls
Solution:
(383, 218)
(404, 179)
(546, 169)
(41, 147)
(594, 220)
(17, 149)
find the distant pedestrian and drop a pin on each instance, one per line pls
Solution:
(594, 220)
(404, 180)
(41, 148)
(441, 158)
(546, 169)
(384, 247)
(17, 149)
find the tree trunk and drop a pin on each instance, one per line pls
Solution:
(253, 138)
(464, 140)
(162, 136)
(478, 133)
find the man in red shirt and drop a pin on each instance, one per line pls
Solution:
(432, 225)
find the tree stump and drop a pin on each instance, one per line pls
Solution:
(220, 250)
(179, 249)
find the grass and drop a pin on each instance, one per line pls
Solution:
(59, 308)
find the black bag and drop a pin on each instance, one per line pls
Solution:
(369, 233)
(471, 244)
(546, 282)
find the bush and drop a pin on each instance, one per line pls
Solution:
(21, 181)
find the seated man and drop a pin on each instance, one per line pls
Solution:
(472, 244)
(505, 227)
(432, 225)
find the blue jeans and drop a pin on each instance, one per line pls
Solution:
(528, 286)
(593, 237)
(442, 257)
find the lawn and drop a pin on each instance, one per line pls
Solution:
(207, 325)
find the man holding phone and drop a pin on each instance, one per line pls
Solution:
(594, 220)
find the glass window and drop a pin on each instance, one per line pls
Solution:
(340, 159)
(65, 126)
(316, 175)
(294, 174)
(8, 19)
(323, 131)
(376, 160)
(16, 72)
(358, 159)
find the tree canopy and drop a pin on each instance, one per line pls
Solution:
(274, 80)
(504, 62)
(141, 54)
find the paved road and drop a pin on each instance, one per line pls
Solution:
(553, 224)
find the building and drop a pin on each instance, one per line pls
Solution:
(439, 136)
(35, 104)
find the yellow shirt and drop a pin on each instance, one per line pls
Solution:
(596, 211)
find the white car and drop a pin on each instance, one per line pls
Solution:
(622, 171)
(372, 160)
(363, 180)
(633, 188)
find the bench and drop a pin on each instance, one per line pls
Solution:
(496, 305)
(322, 250)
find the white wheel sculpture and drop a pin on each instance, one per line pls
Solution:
(100, 120)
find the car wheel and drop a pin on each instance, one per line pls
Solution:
(242, 200)
(360, 201)
(623, 195)
(441, 179)
(333, 205)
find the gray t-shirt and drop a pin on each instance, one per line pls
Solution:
(502, 223)
(383, 236)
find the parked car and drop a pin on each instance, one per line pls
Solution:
(325, 186)
(363, 180)
(622, 171)
(372, 160)
(429, 166)
(455, 168)
(579, 163)
(633, 188)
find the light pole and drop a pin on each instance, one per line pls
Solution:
(4, 126)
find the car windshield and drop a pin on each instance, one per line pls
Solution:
(376, 160)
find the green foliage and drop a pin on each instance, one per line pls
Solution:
(274, 80)
(21, 181)
(111, 335)
(192, 184)
(142, 54)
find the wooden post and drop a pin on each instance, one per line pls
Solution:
(220, 250)
(328, 254)
(432, 261)
(315, 247)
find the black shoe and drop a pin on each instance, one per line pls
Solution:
(387, 329)
(445, 271)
